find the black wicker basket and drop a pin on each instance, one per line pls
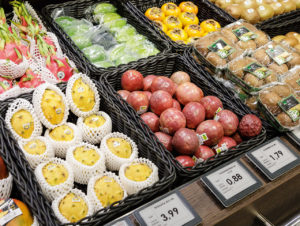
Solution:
(165, 66)
(206, 10)
(147, 149)
(77, 9)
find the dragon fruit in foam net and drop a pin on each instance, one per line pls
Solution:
(30, 80)
(5, 85)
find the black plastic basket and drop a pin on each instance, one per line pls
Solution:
(165, 66)
(77, 9)
(206, 10)
(147, 149)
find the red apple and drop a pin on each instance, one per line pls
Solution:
(160, 101)
(124, 94)
(204, 152)
(163, 83)
(176, 105)
(213, 130)
(185, 160)
(225, 143)
(132, 80)
(3, 169)
(237, 138)
(194, 113)
(171, 120)
(149, 94)
(139, 101)
(180, 77)
(229, 121)
(148, 81)
(151, 120)
(165, 139)
(188, 92)
(185, 141)
(211, 105)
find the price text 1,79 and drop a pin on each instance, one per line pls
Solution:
(170, 215)
(235, 178)
(276, 155)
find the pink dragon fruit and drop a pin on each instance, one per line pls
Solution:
(59, 67)
(5, 85)
(30, 80)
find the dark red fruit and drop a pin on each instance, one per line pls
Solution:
(229, 121)
(185, 160)
(163, 83)
(171, 120)
(225, 143)
(139, 101)
(212, 130)
(204, 152)
(176, 105)
(165, 139)
(185, 141)
(124, 94)
(151, 120)
(194, 113)
(148, 81)
(211, 105)
(250, 126)
(160, 101)
(132, 80)
(188, 92)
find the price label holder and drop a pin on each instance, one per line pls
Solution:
(231, 182)
(124, 221)
(295, 136)
(274, 158)
(171, 209)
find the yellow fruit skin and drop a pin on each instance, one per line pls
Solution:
(55, 174)
(119, 147)
(138, 172)
(73, 207)
(62, 133)
(35, 147)
(22, 123)
(25, 219)
(53, 107)
(83, 96)
(108, 191)
(86, 156)
(94, 121)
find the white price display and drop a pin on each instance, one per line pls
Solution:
(168, 211)
(296, 132)
(274, 156)
(120, 223)
(231, 179)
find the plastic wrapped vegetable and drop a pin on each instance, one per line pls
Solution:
(292, 78)
(95, 53)
(104, 7)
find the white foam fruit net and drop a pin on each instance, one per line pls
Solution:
(35, 160)
(135, 186)
(95, 135)
(91, 189)
(113, 162)
(22, 104)
(61, 147)
(69, 90)
(6, 186)
(37, 101)
(52, 192)
(13, 70)
(79, 193)
(82, 172)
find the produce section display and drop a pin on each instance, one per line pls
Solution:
(291, 39)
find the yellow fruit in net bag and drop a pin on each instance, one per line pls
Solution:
(119, 147)
(35, 147)
(138, 172)
(62, 133)
(94, 121)
(83, 96)
(22, 123)
(55, 174)
(86, 156)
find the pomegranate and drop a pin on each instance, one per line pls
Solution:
(171, 120)
(139, 101)
(211, 105)
(180, 77)
(229, 121)
(225, 143)
(151, 120)
(204, 152)
(194, 113)
(250, 126)
(163, 83)
(132, 80)
(188, 92)
(124, 94)
(149, 94)
(148, 81)
(210, 131)
(185, 141)
(185, 160)
(160, 101)
(176, 105)
(237, 138)
(165, 139)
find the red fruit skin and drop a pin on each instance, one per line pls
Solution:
(5, 85)
(229, 121)
(148, 81)
(180, 77)
(230, 142)
(237, 138)
(211, 105)
(171, 120)
(30, 80)
(213, 129)
(250, 126)
(132, 80)
(49, 42)
(176, 105)
(3, 169)
(194, 113)
(163, 83)
(165, 139)
(188, 92)
(185, 141)
(10, 50)
(160, 101)
(60, 68)
(185, 160)
(123, 93)
(204, 152)
(139, 101)
(151, 120)
(149, 94)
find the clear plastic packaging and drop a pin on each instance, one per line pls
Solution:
(292, 78)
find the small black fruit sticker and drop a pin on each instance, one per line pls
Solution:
(244, 34)
(221, 48)
(8, 211)
(258, 70)
(279, 54)
(291, 106)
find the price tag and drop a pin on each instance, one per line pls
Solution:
(295, 136)
(274, 158)
(125, 221)
(231, 182)
(171, 210)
